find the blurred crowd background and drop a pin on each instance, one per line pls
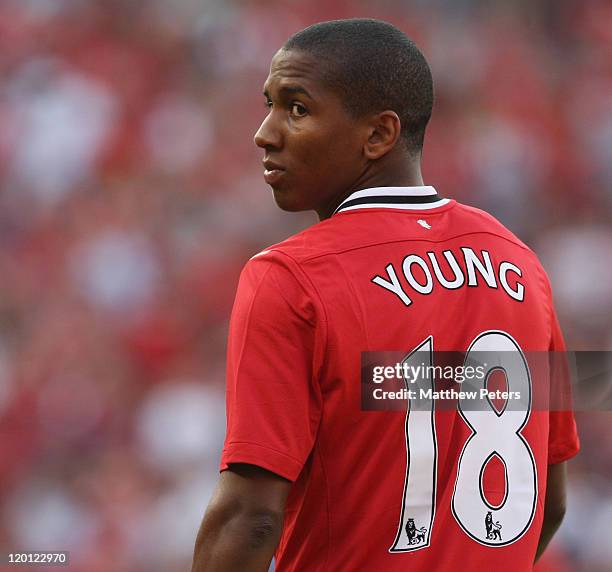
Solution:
(131, 195)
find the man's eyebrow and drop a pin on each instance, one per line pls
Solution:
(290, 90)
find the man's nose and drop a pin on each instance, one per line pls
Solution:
(268, 135)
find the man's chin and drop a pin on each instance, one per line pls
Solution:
(286, 201)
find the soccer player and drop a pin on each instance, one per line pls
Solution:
(308, 474)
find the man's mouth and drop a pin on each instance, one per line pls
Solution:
(273, 171)
(272, 176)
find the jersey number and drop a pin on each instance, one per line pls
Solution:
(493, 434)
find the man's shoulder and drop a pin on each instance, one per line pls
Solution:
(311, 242)
(475, 220)
(280, 268)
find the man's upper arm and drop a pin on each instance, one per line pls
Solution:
(556, 485)
(243, 522)
(554, 505)
(252, 488)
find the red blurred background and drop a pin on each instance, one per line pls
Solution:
(131, 195)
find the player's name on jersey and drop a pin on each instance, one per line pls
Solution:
(462, 268)
(429, 393)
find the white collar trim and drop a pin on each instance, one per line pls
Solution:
(405, 198)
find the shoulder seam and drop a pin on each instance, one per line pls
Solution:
(335, 252)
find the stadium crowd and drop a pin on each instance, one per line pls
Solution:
(131, 195)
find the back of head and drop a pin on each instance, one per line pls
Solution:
(373, 66)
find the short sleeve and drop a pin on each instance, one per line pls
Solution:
(563, 441)
(274, 353)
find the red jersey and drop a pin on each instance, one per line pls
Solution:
(394, 269)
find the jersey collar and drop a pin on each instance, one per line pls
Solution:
(408, 198)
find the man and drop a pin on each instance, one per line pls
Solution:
(307, 473)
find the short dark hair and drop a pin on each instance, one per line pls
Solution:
(373, 66)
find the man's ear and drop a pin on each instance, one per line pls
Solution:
(384, 131)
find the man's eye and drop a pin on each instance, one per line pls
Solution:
(298, 109)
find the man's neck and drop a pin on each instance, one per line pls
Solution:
(406, 174)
